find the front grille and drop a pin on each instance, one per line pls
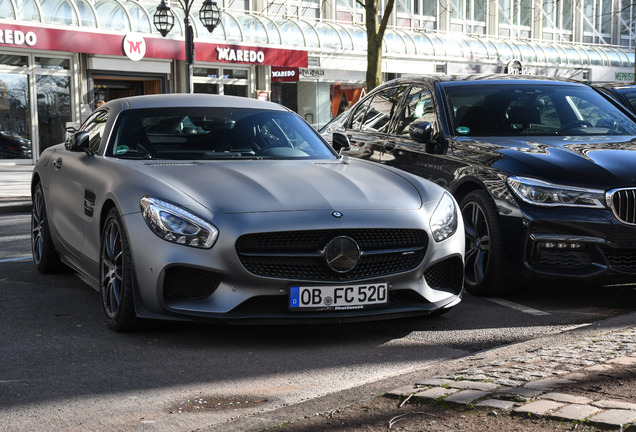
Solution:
(298, 255)
(188, 283)
(447, 275)
(623, 260)
(623, 203)
(563, 258)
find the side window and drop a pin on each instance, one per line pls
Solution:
(95, 125)
(417, 108)
(359, 114)
(381, 110)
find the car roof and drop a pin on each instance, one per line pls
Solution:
(481, 79)
(191, 100)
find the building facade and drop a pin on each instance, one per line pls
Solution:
(59, 57)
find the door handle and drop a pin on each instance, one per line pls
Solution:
(58, 163)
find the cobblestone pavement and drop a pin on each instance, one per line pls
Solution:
(524, 385)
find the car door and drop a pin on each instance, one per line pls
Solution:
(72, 201)
(428, 159)
(369, 125)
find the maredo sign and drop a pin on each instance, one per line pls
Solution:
(137, 47)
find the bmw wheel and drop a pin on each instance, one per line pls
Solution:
(116, 286)
(45, 256)
(485, 273)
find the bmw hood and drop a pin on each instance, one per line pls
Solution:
(602, 161)
(267, 185)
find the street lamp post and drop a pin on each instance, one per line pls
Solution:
(163, 19)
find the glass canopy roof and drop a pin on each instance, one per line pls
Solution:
(236, 27)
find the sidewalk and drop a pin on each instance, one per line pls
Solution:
(15, 184)
(529, 385)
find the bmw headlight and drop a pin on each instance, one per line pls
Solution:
(545, 194)
(177, 225)
(444, 218)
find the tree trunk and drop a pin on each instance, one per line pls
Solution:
(375, 34)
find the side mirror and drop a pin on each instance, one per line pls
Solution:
(78, 142)
(340, 141)
(421, 132)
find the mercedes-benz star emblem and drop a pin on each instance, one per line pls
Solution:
(336, 214)
(342, 254)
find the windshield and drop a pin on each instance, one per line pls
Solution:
(215, 133)
(534, 110)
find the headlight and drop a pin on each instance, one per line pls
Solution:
(444, 218)
(177, 225)
(540, 193)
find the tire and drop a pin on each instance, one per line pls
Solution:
(115, 275)
(485, 273)
(46, 258)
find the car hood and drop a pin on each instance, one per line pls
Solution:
(266, 185)
(593, 161)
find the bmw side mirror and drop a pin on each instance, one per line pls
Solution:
(340, 142)
(421, 132)
(78, 142)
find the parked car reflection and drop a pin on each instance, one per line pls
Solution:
(13, 146)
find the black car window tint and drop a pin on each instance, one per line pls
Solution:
(418, 108)
(359, 114)
(378, 115)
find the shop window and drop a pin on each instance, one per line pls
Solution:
(15, 117)
(54, 108)
(206, 72)
(206, 88)
(52, 63)
(13, 60)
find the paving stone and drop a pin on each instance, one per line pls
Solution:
(497, 403)
(474, 385)
(623, 360)
(539, 408)
(614, 417)
(598, 368)
(435, 393)
(547, 383)
(523, 393)
(405, 390)
(575, 412)
(562, 397)
(612, 404)
(434, 382)
(466, 397)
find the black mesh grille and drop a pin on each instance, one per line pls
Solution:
(285, 254)
(624, 260)
(624, 205)
(446, 275)
(188, 283)
(563, 258)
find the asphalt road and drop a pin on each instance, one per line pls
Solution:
(61, 369)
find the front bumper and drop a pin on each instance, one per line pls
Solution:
(184, 283)
(578, 243)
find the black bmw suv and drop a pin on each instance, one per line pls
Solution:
(544, 170)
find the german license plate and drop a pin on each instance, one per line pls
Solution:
(346, 297)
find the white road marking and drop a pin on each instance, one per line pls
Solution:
(517, 306)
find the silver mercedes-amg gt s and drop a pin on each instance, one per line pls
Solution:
(195, 207)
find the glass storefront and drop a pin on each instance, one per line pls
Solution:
(231, 81)
(24, 78)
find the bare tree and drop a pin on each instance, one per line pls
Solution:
(375, 33)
